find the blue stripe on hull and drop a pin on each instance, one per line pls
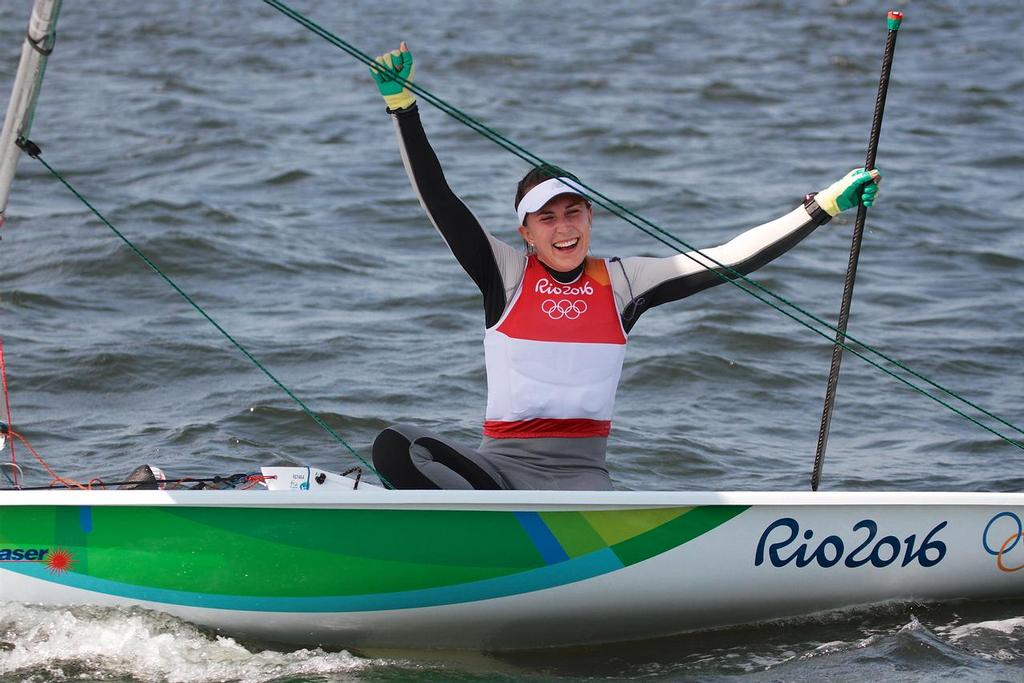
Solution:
(545, 542)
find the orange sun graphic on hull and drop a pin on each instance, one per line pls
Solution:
(59, 561)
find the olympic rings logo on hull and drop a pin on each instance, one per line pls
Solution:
(999, 539)
(563, 308)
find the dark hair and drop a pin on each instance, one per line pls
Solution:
(536, 176)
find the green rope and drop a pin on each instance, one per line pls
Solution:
(138, 252)
(723, 271)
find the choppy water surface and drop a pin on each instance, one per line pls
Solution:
(255, 164)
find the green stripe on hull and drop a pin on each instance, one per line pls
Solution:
(675, 532)
(573, 531)
(616, 528)
(258, 554)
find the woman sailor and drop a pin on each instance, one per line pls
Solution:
(556, 320)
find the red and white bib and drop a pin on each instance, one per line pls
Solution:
(555, 357)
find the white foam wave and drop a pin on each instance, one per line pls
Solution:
(961, 631)
(41, 643)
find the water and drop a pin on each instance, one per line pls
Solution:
(255, 164)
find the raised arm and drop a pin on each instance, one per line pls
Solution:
(642, 283)
(493, 265)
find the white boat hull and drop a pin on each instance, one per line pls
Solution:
(503, 570)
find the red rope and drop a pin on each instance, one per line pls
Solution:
(7, 396)
(256, 480)
(69, 483)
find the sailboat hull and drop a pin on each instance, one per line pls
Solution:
(500, 570)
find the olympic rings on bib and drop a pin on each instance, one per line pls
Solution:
(564, 308)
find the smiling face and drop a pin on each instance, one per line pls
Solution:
(560, 231)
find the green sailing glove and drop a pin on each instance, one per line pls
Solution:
(397, 62)
(856, 186)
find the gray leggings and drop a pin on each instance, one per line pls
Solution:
(413, 458)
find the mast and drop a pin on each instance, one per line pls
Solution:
(39, 42)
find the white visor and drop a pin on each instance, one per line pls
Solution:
(541, 194)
